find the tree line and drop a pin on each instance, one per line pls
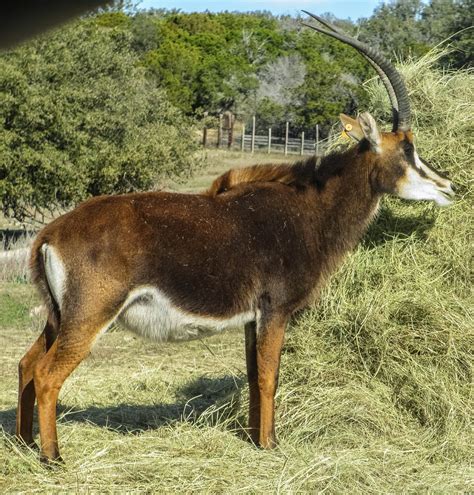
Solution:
(274, 67)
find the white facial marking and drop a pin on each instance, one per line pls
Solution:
(55, 272)
(427, 185)
(149, 312)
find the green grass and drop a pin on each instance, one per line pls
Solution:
(375, 388)
(16, 301)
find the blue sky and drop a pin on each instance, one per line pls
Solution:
(340, 8)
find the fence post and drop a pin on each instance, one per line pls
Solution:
(204, 129)
(253, 133)
(302, 143)
(230, 140)
(243, 137)
(286, 137)
(316, 142)
(219, 132)
(269, 139)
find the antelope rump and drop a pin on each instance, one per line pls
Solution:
(253, 249)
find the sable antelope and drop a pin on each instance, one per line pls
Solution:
(253, 249)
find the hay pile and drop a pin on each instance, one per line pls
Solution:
(383, 366)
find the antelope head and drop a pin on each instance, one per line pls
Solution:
(396, 166)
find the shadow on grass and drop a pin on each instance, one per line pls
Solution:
(204, 401)
(389, 226)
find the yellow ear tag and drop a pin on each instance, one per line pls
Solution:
(344, 134)
(348, 127)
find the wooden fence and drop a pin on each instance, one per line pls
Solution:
(269, 143)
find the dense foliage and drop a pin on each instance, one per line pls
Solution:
(412, 27)
(80, 118)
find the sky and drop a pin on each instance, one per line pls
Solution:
(340, 8)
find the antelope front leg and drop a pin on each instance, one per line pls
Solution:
(269, 343)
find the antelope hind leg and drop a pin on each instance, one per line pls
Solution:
(26, 387)
(70, 348)
(252, 375)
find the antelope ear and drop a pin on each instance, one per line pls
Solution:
(351, 127)
(369, 128)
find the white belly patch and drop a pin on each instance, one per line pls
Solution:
(150, 313)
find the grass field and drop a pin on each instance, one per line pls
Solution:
(376, 383)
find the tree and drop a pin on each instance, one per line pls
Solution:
(80, 118)
(275, 96)
(442, 19)
(395, 29)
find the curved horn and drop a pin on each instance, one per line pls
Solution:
(383, 77)
(396, 81)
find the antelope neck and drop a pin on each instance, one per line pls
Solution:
(346, 204)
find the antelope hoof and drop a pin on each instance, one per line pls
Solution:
(50, 462)
(268, 444)
(251, 435)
